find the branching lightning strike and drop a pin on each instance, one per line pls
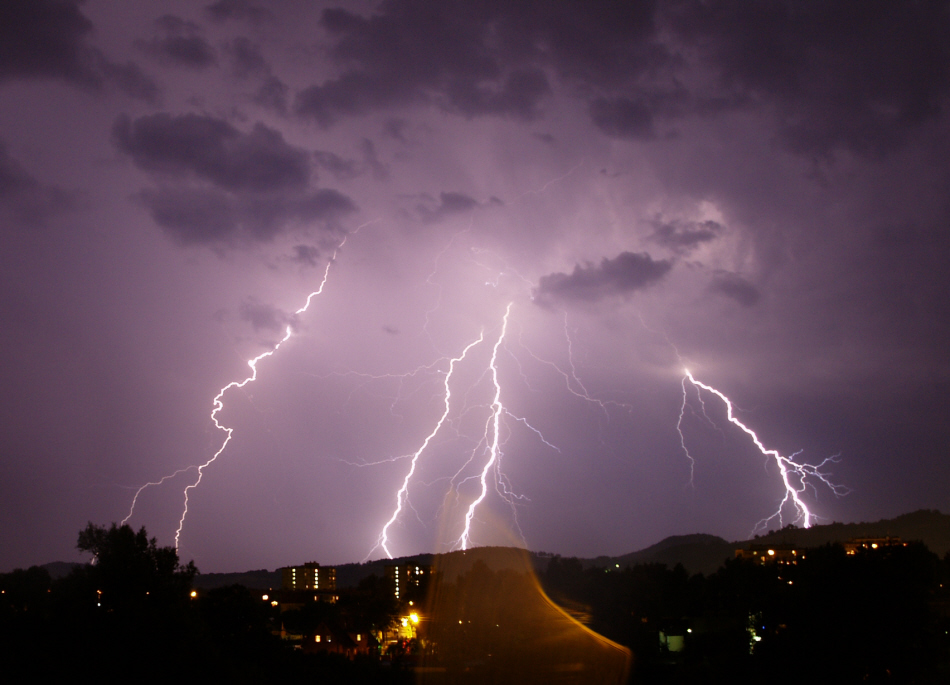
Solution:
(795, 476)
(218, 406)
(402, 494)
(495, 421)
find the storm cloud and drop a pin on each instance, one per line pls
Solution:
(180, 45)
(250, 185)
(25, 199)
(45, 39)
(843, 74)
(735, 287)
(48, 39)
(683, 237)
(213, 150)
(626, 273)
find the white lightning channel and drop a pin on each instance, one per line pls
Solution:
(138, 492)
(402, 495)
(218, 402)
(788, 468)
(497, 409)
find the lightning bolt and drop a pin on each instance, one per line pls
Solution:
(795, 476)
(218, 404)
(138, 492)
(571, 380)
(218, 401)
(402, 495)
(679, 430)
(495, 421)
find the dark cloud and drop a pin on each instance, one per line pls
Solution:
(130, 79)
(345, 169)
(448, 204)
(395, 128)
(735, 287)
(273, 94)
(23, 198)
(175, 25)
(45, 39)
(250, 186)
(371, 160)
(181, 45)
(546, 138)
(246, 58)
(341, 168)
(306, 254)
(241, 10)
(195, 216)
(840, 74)
(836, 74)
(622, 118)
(213, 150)
(456, 202)
(263, 316)
(494, 58)
(625, 273)
(422, 52)
(518, 95)
(684, 236)
(191, 215)
(353, 93)
(193, 52)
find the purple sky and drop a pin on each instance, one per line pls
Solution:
(759, 192)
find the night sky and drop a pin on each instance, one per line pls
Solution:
(758, 192)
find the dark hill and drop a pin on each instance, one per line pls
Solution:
(928, 526)
(699, 553)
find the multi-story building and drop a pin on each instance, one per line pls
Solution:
(772, 554)
(852, 546)
(406, 580)
(309, 576)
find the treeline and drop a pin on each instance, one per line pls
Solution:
(131, 617)
(878, 616)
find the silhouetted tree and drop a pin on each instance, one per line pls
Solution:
(131, 573)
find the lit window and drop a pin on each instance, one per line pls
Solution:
(316, 639)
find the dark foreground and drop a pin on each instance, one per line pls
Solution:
(875, 616)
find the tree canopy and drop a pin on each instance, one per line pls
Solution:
(130, 571)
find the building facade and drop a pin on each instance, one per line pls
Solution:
(309, 576)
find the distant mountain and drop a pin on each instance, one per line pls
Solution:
(928, 526)
(60, 569)
(698, 553)
(706, 553)
(257, 580)
(350, 575)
